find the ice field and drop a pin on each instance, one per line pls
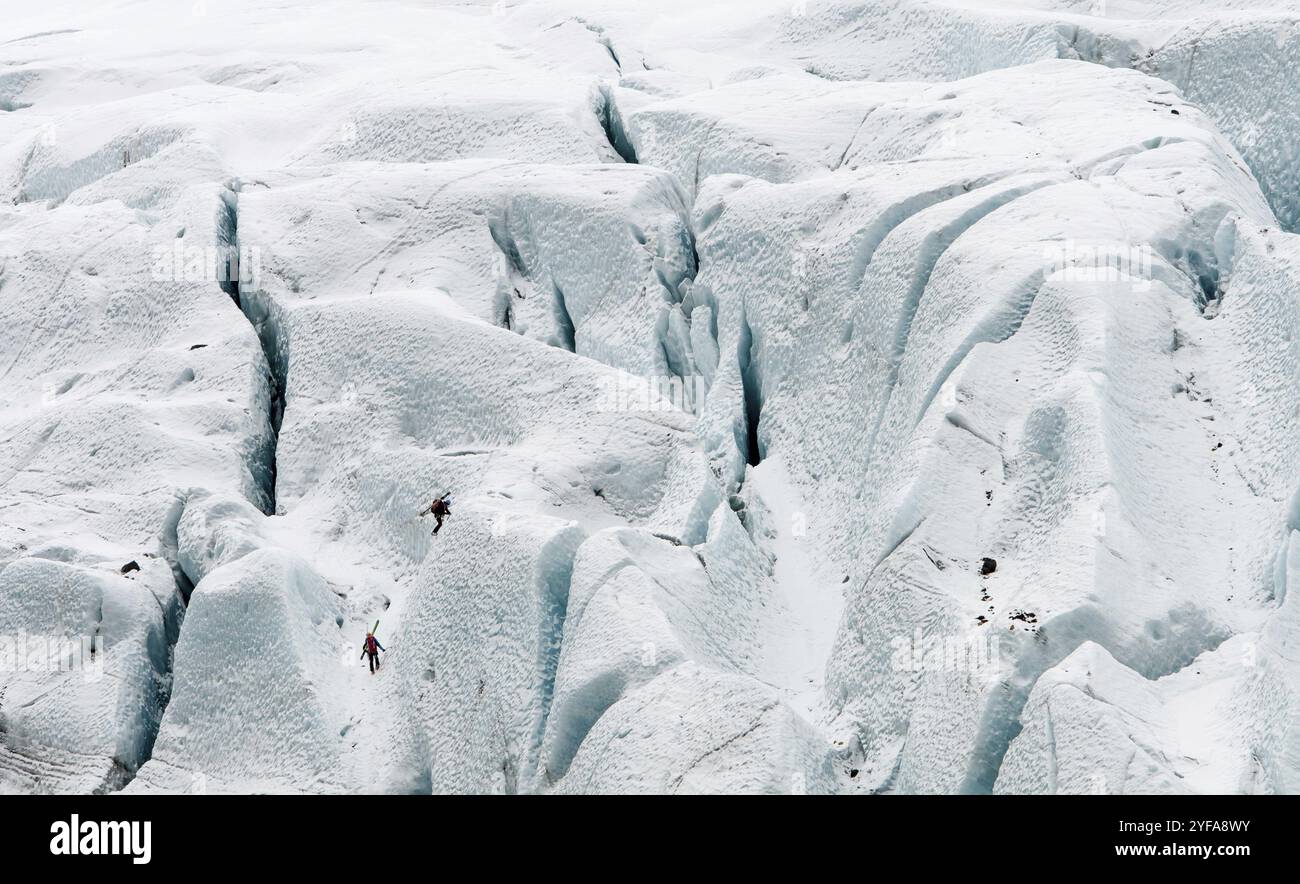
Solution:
(741, 333)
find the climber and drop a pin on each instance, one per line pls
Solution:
(372, 647)
(438, 509)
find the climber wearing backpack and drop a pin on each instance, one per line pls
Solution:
(372, 647)
(438, 509)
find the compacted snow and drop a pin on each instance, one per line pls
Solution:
(840, 396)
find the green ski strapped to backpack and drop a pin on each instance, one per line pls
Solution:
(373, 630)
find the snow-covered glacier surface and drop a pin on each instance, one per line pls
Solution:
(841, 396)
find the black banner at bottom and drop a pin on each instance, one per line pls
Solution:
(381, 833)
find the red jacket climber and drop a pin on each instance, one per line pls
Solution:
(372, 647)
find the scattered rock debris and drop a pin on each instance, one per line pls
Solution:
(1029, 618)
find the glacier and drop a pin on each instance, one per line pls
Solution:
(841, 396)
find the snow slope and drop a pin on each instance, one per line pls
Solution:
(740, 334)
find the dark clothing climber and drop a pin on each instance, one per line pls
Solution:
(438, 509)
(372, 647)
